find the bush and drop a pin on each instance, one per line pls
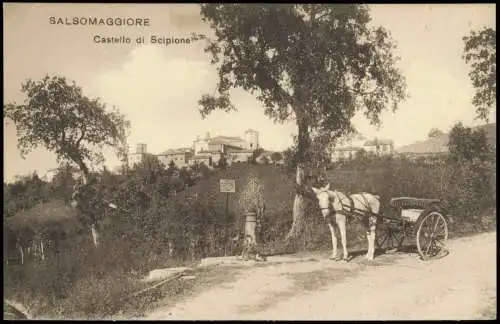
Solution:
(467, 187)
(470, 189)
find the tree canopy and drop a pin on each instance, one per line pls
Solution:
(315, 64)
(59, 117)
(480, 52)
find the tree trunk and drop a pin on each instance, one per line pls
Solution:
(298, 209)
(299, 201)
(94, 234)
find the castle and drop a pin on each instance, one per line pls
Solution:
(207, 150)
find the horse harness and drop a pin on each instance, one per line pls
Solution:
(348, 209)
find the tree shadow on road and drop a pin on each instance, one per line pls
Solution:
(317, 280)
(181, 290)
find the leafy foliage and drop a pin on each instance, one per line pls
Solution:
(58, 117)
(251, 195)
(276, 157)
(290, 159)
(63, 182)
(480, 52)
(24, 193)
(468, 144)
(256, 154)
(435, 132)
(222, 164)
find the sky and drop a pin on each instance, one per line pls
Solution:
(158, 87)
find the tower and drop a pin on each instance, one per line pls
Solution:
(252, 139)
(141, 148)
(201, 144)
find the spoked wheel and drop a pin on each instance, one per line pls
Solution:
(431, 236)
(390, 235)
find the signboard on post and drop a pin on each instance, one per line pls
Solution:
(227, 185)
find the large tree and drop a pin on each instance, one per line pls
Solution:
(481, 53)
(57, 115)
(315, 64)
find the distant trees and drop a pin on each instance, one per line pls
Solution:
(480, 52)
(435, 132)
(290, 159)
(258, 152)
(222, 164)
(24, 193)
(466, 144)
(276, 157)
(172, 168)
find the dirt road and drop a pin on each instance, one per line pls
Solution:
(394, 286)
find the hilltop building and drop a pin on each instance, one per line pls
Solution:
(208, 150)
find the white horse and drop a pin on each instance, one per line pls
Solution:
(364, 206)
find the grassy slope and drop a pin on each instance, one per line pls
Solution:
(278, 187)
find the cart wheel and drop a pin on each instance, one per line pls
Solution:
(390, 236)
(432, 233)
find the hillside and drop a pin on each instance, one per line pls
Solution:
(435, 145)
(278, 187)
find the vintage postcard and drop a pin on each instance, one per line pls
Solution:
(249, 161)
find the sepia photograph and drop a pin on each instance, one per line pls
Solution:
(211, 161)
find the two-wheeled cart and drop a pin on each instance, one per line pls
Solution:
(416, 220)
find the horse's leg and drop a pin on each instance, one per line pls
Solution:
(341, 222)
(370, 235)
(334, 240)
(41, 250)
(22, 254)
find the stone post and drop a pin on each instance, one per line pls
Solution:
(250, 224)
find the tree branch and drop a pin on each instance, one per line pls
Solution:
(84, 129)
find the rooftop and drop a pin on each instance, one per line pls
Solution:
(223, 141)
(240, 151)
(379, 142)
(210, 151)
(250, 131)
(201, 156)
(182, 150)
(349, 148)
(439, 143)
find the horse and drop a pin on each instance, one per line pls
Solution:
(364, 206)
